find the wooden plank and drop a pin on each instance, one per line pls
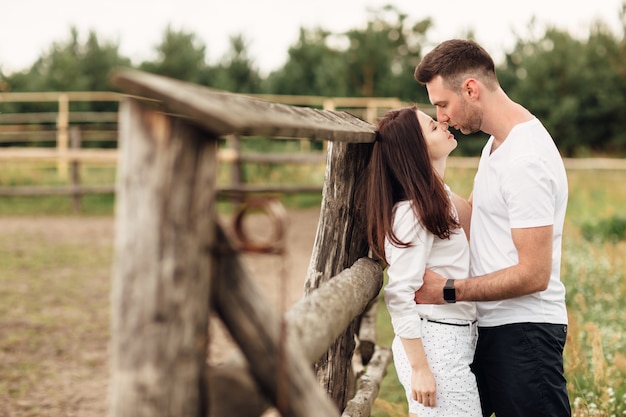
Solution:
(53, 96)
(33, 136)
(51, 136)
(89, 135)
(229, 155)
(7, 119)
(110, 155)
(311, 326)
(225, 113)
(222, 192)
(51, 154)
(255, 325)
(384, 102)
(165, 216)
(32, 191)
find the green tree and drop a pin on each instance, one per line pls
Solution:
(180, 55)
(236, 72)
(313, 67)
(69, 66)
(377, 61)
(382, 57)
(570, 85)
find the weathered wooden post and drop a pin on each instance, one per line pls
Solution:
(75, 143)
(161, 279)
(339, 242)
(166, 249)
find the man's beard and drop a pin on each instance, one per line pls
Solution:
(472, 120)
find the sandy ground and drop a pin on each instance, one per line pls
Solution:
(80, 386)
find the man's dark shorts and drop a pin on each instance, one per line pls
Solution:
(519, 370)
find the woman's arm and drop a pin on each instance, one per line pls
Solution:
(423, 385)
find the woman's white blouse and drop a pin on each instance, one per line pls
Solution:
(448, 257)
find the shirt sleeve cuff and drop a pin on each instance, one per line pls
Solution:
(408, 327)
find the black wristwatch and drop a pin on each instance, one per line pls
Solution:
(449, 293)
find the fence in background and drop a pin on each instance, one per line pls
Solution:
(65, 136)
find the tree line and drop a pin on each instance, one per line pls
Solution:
(577, 87)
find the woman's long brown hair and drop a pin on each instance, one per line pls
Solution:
(400, 169)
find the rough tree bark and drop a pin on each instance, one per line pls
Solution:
(339, 242)
(164, 229)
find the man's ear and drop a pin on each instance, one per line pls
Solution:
(471, 88)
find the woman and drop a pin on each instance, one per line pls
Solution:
(412, 224)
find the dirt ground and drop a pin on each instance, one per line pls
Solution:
(76, 376)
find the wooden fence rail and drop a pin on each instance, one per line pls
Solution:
(58, 128)
(55, 128)
(174, 264)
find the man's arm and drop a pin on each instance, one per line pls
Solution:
(531, 274)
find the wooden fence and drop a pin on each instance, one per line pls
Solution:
(174, 264)
(67, 132)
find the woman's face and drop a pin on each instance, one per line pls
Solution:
(438, 138)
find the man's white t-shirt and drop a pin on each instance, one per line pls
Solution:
(521, 184)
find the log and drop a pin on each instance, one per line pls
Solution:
(229, 383)
(254, 325)
(318, 319)
(367, 332)
(369, 385)
(165, 217)
(339, 242)
(311, 324)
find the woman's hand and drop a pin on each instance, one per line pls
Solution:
(423, 386)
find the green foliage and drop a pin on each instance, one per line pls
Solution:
(376, 61)
(612, 230)
(70, 66)
(595, 364)
(180, 55)
(381, 58)
(577, 88)
(237, 72)
(313, 68)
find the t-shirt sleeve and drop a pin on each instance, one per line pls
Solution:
(529, 191)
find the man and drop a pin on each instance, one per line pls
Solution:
(518, 209)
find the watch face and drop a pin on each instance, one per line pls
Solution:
(449, 292)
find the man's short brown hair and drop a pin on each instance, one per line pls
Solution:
(454, 60)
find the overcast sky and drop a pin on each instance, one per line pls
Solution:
(29, 27)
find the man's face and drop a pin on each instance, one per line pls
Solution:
(453, 108)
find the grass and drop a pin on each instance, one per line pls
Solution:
(593, 272)
(54, 321)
